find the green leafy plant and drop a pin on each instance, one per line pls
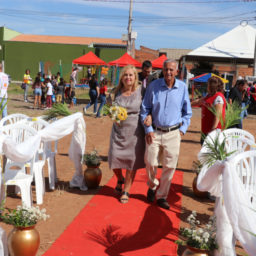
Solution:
(198, 236)
(57, 110)
(216, 150)
(232, 115)
(23, 216)
(197, 166)
(198, 94)
(92, 159)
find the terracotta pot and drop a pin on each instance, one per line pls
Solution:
(191, 251)
(92, 176)
(23, 241)
(198, 193)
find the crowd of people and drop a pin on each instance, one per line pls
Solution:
(48, 89)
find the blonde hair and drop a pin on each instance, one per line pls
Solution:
(120, 83)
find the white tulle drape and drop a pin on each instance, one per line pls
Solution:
(236, 218)
(3, 243)
(74, 124)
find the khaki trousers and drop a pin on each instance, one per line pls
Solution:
(169, 145)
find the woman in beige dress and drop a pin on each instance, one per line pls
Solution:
(127, 144)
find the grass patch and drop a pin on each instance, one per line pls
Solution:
(15, 89)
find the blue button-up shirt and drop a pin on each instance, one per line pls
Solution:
(168, 106)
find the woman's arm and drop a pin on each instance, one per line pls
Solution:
(217, 116)
(197, 102)
(98, 90)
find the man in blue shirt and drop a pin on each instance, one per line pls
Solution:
(167, 101)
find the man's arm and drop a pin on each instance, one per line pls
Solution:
(146, 109)
(186, 112)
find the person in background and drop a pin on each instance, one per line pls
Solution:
(49, 93)
(93, 93)
(73, 78)
(252, 92)
(60, 91)
(167, 100)
(214, 98)
(89, 73)
(239, 94)
(145, 75)
(27, 81)
(58, 77)
(71, 94)
(54, 82)
(4, 83)
(37, 92)
(127, 143)
(102, 96)
(44, 90)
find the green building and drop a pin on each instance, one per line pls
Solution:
(51, 54)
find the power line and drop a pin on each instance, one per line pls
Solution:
(173, 2)
(137, 18)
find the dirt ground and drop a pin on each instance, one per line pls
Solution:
(63, 204)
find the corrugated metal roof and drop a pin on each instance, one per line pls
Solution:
(66, 39)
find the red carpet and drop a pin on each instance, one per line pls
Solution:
(107, 227)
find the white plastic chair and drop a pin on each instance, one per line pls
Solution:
(19, 133)
(12, 118)
(233, 136)
(233, 211)
(45, 153)
(245, 166)
(50, 157)
(244, 144)
(18, 178)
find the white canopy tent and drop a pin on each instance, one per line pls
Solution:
(236, 43)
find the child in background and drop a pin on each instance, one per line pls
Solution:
(102, 96)
(49, 93)
(44, 89)
(60, 91)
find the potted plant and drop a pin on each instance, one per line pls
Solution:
(92, 174)
(200, 240)
(197, 166)
(24, 239)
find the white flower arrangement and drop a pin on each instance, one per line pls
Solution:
(24, 216)
(199, 237)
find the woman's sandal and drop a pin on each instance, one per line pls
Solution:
(118, 187)
(124, 200)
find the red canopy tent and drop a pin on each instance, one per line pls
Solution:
(158, 63)
(89, 59)
(124, 60)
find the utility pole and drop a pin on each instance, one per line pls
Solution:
(254, 61)
(129, 41)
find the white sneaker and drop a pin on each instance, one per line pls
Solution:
(84, 109)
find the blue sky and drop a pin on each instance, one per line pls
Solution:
(158, 24)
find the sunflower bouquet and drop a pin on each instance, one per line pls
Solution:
(115, 112)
